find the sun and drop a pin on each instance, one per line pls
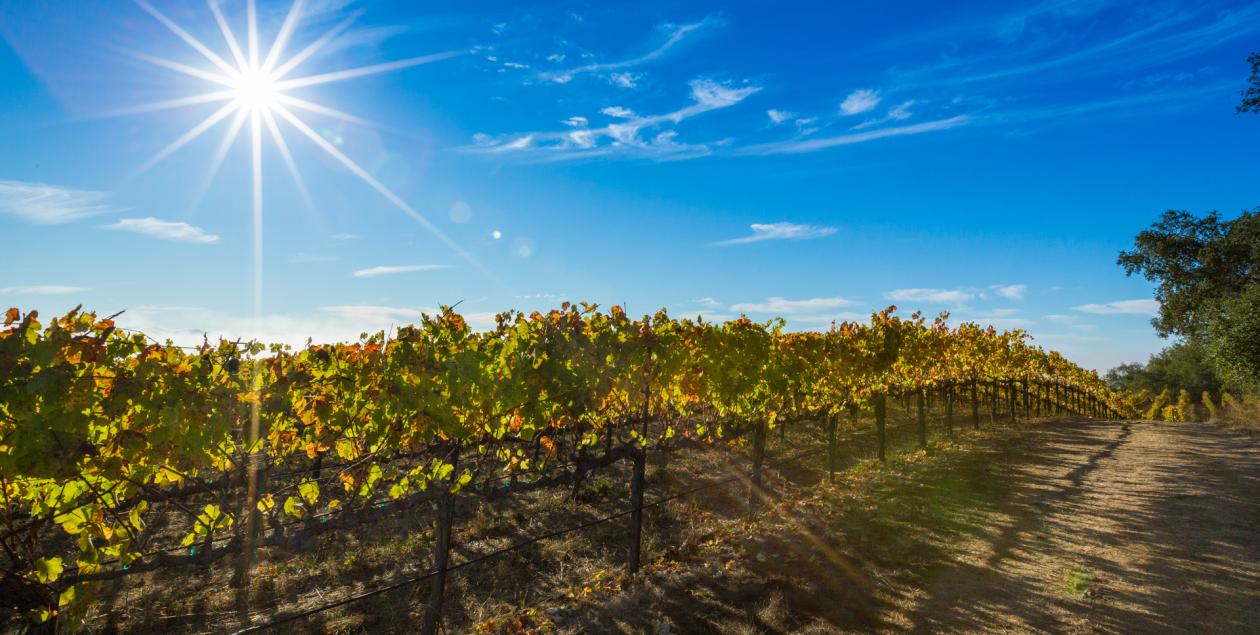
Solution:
(256, 90)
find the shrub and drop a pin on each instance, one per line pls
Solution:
(1209, 406)
(1157, 406)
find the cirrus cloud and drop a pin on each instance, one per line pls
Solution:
(165, 230)
(937, 296)
(860, 101)
(781, 306)
(780, 231)
(385, 270)
(1122, 307)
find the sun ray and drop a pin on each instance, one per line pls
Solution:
(315, 46)
(191, 71)
(282, 38)
(380, 187)
(251, 13)
(188, 38)
(362, 71)
(168, 104)
(196, 131)
(230, 37)
(278, 138)
(229, 139)
(325, 110)
(255, 152)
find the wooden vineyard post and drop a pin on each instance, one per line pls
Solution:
(949, 408)
(636, 514)
(1027, 400)
(441, 550)
(994, 398)
(1010, 397)
(975, 406)
(922, 418)
(831, 448)
(880, 413)
(759, 457)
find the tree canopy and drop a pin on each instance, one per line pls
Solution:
(1251, 95)
(1182, 366)
(1208, 274)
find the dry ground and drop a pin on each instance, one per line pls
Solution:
(1065, 527)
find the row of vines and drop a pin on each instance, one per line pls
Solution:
(112, 444)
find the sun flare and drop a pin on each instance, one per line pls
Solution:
(254, 87)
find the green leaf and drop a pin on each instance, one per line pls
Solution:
(48, 569)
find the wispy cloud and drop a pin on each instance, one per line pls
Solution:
(782, 306)
(674, 35)
(42, 289)
(625, 80)
(780, 231)
(1010, 291)
(1122, 307)
(900, 112)
(385, 270)
(623, 136)
(860, 101)
(797, 146)
(779, 116)
(936, 296)
(165, 230)
(618, 112)
(51, 204)
(345, 236)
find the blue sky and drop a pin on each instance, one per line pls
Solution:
(816, 162)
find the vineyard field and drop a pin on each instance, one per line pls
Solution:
(123, 457)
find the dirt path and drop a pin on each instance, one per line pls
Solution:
(1116, 527)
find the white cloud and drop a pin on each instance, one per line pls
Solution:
(165, 230)
(779, 116)
(780, 231)
(1010, 291)
(675, 34)
(709, 303)
(50, 204)
(555, 57)
(516, 65)
(937, 296)
(576, 122)
(812, 145)
(345, 236)
(860, 101)
(42, 289)
(623, 136)
(385, 270)
(711, 95)
(782, 306)
(619, 112)
(1122, 307)
(901, 111)
(625, 80)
